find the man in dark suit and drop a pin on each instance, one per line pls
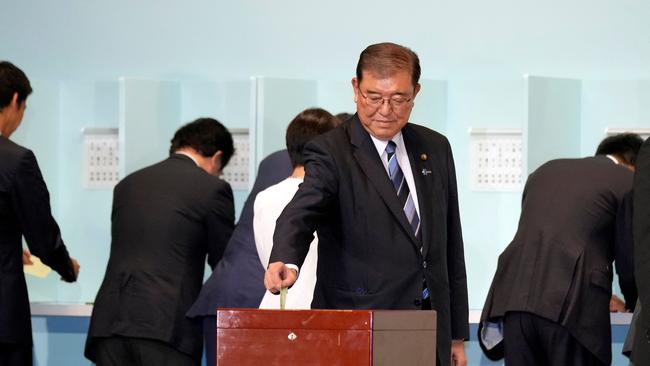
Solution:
(165, 219)
(381, 194)
(641, 348)
(553, 283)
(237, 281)
(24, 211)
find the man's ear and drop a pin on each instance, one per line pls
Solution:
(14, 102)
(216, 162)
(417, 90)
(355, 88)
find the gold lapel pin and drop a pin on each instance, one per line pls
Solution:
(423, 157)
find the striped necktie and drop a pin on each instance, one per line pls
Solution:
(405, 199)
(404, 196)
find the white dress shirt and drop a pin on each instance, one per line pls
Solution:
(267, 208)
(612, 158)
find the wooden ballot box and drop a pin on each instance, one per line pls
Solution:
(326, 337)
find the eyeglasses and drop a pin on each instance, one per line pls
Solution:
(395, 102)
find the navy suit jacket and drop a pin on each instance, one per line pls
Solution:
(238, 279)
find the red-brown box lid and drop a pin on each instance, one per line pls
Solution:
(296, 319)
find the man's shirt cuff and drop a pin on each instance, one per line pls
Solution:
(293, 266)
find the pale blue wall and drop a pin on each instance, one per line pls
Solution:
(612, 104)
(75, 51)
(79, 39)
(489, 218)
(83, 104)
(554, 114)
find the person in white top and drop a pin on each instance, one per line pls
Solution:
(270, 203)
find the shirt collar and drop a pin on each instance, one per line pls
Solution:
(380, 145)
(612, 158)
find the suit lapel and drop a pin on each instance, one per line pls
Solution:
(370, 162)
(424, 176)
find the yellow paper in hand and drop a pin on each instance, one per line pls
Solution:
(37, 269)
(283, 297)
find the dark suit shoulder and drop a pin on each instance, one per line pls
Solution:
(12, 153)
(275, 160)
(595, 173)
(332, 148)
(335, 136)
(596, 163)
(175, 170)
(427, 132)
(427, 138)
(16, 160)
(601, 161)
(7, 146)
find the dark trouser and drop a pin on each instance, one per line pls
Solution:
(15, 354)
(531, 340)
(210, 340)
(125, 351)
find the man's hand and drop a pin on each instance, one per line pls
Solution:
(458, 356)
(279, 276)
(27, 257)
(75, 268)
(616, 305)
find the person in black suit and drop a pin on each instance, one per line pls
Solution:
(237, 281)
(165, 219)
(24, 211)
(553, 283)
(641, 346)
(381, 194)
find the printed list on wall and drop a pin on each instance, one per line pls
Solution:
(100, 158)
(237, 171)
(496, 160)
